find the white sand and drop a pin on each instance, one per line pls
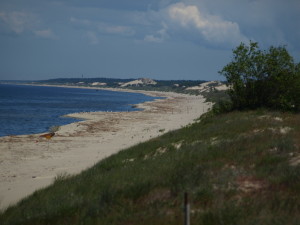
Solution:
(28, 162)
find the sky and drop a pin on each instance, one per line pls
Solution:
(158, 39)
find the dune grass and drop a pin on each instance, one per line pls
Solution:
(236, 168)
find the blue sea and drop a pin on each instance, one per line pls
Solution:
(28, 109)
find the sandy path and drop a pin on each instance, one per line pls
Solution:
(28, 162)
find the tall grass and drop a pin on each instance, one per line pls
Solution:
(235, 168)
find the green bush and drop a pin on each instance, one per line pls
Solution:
(259, 78)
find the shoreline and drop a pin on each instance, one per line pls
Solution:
(149, 93)
(28, 162)
(132, 107)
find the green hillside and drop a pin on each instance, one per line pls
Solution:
(238, 168)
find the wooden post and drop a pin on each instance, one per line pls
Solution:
(186, 209)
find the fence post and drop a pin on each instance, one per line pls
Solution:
(186, 209)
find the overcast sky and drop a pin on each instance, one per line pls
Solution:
(159, 39)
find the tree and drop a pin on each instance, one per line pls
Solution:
(263, 78)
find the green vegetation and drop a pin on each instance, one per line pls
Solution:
(161, 85)
(238, 168)
(259, 78)
(178, 86)
(216, 96)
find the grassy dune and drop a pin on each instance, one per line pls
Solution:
(238, 168)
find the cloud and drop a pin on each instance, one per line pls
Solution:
(159, 37)
(102, 28)
(116, 29)
(152, 38)
(270, 22)
(83, 22)
(208, 23)
(18, 21)
(202, 26)
(47, 33)
(93, 39)
(189, 22)
(95, 28)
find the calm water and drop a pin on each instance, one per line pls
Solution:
(32, 109)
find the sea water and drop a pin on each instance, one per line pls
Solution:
(26, 109)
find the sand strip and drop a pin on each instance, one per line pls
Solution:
(28, 162)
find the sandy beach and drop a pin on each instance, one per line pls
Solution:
(29, 162)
